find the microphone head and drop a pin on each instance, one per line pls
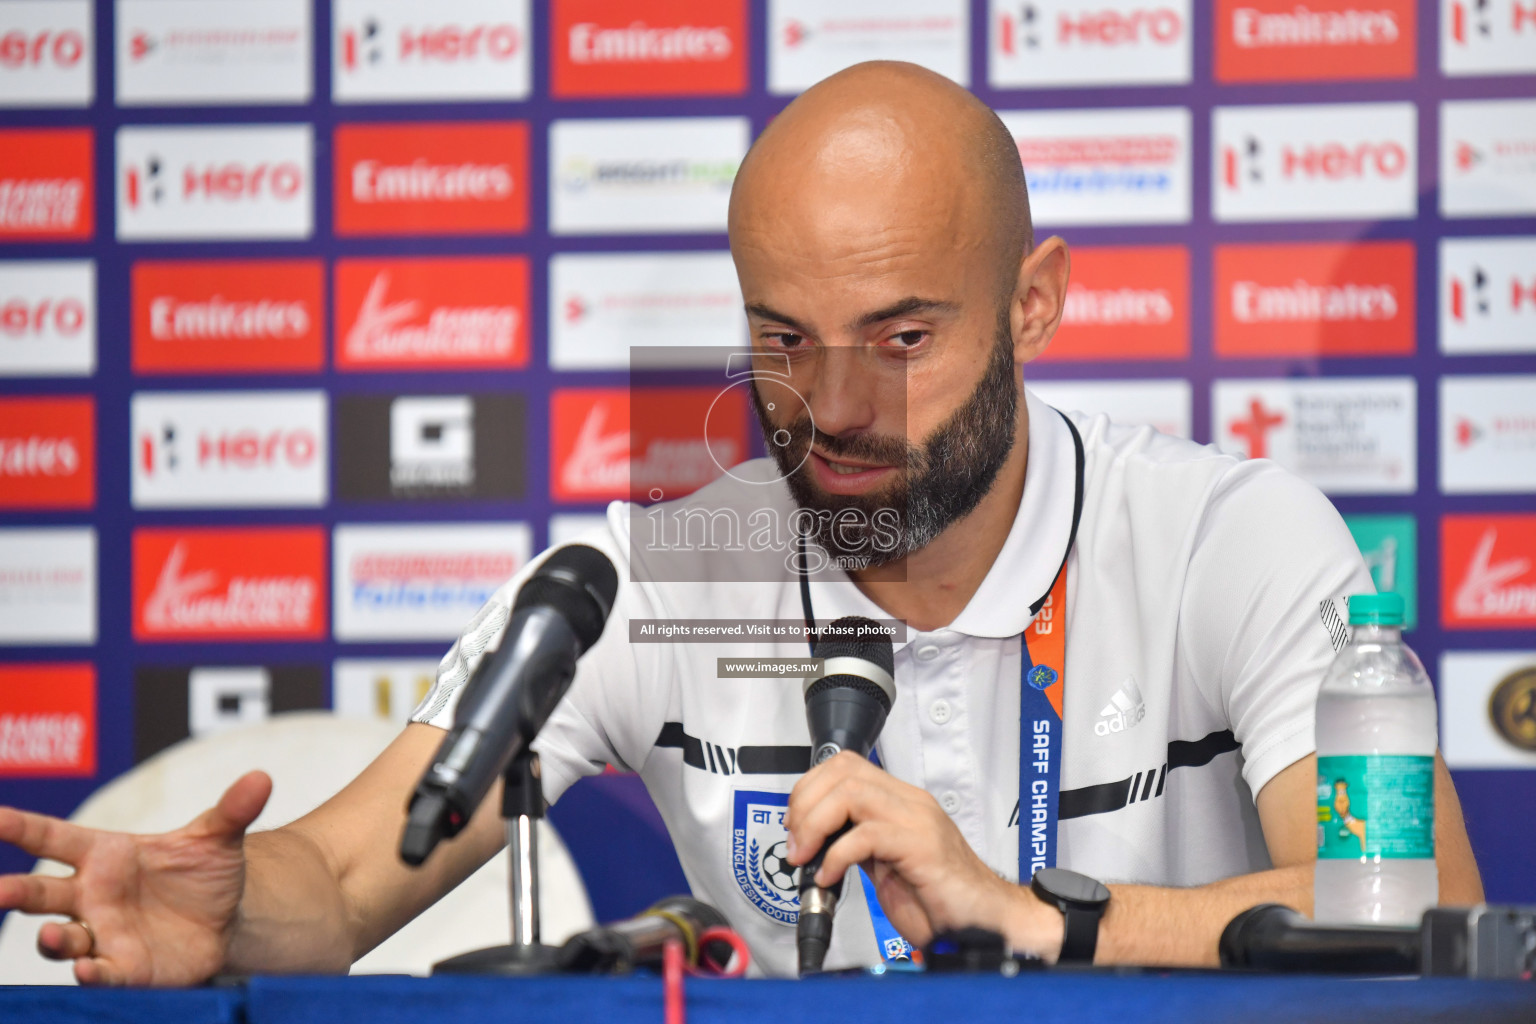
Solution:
(857, 653)
(580, 583)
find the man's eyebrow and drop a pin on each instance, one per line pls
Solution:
(906, 307)
(762, 312)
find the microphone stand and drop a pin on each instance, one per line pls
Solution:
(522, 805)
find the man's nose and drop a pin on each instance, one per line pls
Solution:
(843, 393)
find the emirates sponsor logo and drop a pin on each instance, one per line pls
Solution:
(387, 330)
(1305, 302)
(1488, 589)
(1118, 306)
(1254, 29)
(42, 740)
(194, 602)
(37, 455)
(638, 42)
(216, 318)
(40, 204)
(420, 181)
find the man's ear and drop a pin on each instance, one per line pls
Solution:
(1039, 299)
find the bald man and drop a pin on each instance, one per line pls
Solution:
(1138, 611)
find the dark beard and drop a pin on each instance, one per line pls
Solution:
(943, 481)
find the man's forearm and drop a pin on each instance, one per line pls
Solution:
(293, 917)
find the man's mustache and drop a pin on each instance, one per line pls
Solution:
(872, 448)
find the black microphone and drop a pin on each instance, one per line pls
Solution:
(1271, 937)
(845, 708)
(639, 941)
(559, 613)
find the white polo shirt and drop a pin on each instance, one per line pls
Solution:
(1202, 609)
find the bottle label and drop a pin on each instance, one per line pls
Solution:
(1375, 806)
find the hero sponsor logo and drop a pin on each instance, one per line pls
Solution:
(1160, 404)
(229, 583)
(1105, 166)
(47, 187)
(435, 312)
(47, 720)
(47, 318)
(1346, 435)
(1488, 708)
(671, 48)
(1315, 299)
(1487, 37)
(1125, 303)
(1330, 40)
(1488, 158)
(47, 453)
(246, 181)
(1487, 295)
(46, 57)
(1045, 44)
(387, 50)
(384, 688)
(459, 178)
(253, 449)
(48, 585)
(809, 40)
(1488, 434)
(421, 581)
(198, 54)
(603, 305)
(227, 316)
(643, 174)
(1488, 571)
(1341, 161)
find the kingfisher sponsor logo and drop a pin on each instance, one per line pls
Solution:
(1488, 571)
(388, 50)
(213, 53)
(243, 181)
(1487, 37)
(669, 48)
(227, 316)
(411, 179)
(1487, 295)
(1488, 434)
(1125, 303)
(1315, 299)
(1049, 43)
(1345, 161)
(434, 312)
(47, 318)
(1488, 158)
(47, 189)
(47, 453)
(46, 58)
(1285, 41)
(1105, 166)
(47, 720)
(809, 40)
(222, 583)
(48, 585)
(421, 581)
(229, 449)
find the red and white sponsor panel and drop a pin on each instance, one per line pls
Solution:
(47, 318)
(387, 51)
(602, 306)
(47, 585)
(48, 452)
(1487, 37)
(421, 581)
(1334, 161)
(1488, 571)
(1128, 302)
(438, 179)
(1488, 434)
(1315, 299)
(1488, 158)
(1347, 435)
(1487, 714)
(383, 688)
(1048, 44)
(209, 182)
(1163, 405)
(648, 48)
(171, 52)
(1487, 295)
(229, 583)
(809, 40)
(46, 54)
(230, 449)
(1321, 40)
(48, 720)
(47, 185)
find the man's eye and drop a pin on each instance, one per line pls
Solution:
(907, 339)
(784, 339)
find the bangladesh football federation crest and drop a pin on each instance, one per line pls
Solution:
(759, 858)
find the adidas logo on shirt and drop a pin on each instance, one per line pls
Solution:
(1125, 710)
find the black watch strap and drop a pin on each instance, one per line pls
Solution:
(1081, 940)
(1082, 901)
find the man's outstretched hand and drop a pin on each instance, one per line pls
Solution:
(162, 908)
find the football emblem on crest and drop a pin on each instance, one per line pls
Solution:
(759, 858)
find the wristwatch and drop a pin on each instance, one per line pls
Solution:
(1082, 901)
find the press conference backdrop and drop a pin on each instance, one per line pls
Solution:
(314, 318)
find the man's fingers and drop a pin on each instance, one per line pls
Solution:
(860, 843)
(815, 784)
(42, 836)
(854, 799)
(97, 971)
(63, 940)
(37, 894)
(237, 808)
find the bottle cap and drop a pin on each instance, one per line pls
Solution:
(1380, 609)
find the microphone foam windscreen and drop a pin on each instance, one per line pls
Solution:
(854, 636)
(580, 583)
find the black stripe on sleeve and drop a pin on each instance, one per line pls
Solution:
(1112, 796)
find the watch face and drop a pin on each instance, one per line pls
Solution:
(1071, 886)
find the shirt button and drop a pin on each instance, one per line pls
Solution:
(939, 712)
(927, 652)
(950, 801)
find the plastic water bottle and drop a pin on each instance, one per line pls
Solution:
(1376, 738)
